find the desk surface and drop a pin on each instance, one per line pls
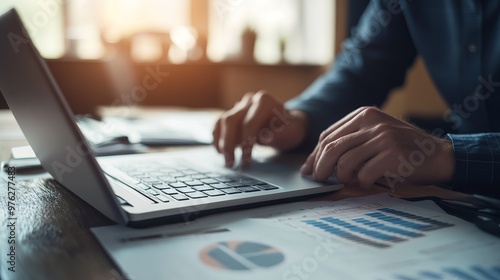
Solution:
(52, 228)
(54, 241)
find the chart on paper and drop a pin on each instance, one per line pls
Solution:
(380, 229)
(376, 237)
(377, 224)
(459, 273)
(240, 255)
(473, 272)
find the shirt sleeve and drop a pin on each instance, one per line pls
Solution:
(477, 163)
(374, 60)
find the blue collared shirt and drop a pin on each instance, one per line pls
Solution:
(459, 41)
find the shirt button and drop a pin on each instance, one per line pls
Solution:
(472, 48)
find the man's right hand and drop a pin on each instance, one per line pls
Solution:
(258, 118)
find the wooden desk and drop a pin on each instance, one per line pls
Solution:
(52, 228)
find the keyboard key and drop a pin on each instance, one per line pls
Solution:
(163, 198)
(236, 184)
(248, 189)
(209, 181)
(177, 185)
(219, 186)
(225, 179)
(185, 190)
(176, 174)
(196, 195)
(142, 187)
(184, 179)
(214, 193)
(231, 191)
(160, 186)
(170, 191)
(253, 182)
(167, 179)
(203, 188)
(153, 192)
(150, 180)
(179, 197)
(194, 183)
(267, 187)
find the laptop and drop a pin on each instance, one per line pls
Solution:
(136, 190)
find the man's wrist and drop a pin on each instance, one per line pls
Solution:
(299, 127)
(293, 133)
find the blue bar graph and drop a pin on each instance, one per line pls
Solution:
(382, 228)
(494, 274)
(344, 234)
(459, 274)
(436, 223)
(387, 228)
(361, 230)
(474, 272)
(431, 275)
(400, 222)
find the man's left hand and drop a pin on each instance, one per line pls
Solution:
(368, 145)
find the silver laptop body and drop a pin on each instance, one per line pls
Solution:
(48, 124)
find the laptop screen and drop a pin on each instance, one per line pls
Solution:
(47, 121)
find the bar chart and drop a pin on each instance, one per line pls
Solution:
(381, 228)
(474, 272)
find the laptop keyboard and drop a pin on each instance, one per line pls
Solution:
(163, 183)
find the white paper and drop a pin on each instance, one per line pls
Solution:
(444, 246)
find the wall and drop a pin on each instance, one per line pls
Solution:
(88, 84)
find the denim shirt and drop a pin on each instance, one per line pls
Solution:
(459, 42)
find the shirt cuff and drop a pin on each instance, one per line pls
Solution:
(477, 163)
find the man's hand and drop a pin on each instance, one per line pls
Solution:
(368, 145)
(257, 118)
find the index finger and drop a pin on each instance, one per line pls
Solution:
(230, 129)
(255, 120)
(308, 167)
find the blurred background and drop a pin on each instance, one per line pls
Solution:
(198, 53)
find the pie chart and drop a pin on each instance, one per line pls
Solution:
(240, 255)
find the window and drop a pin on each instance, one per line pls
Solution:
(294, 31)
(44, 22)
(94, 24)
(178, 31)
